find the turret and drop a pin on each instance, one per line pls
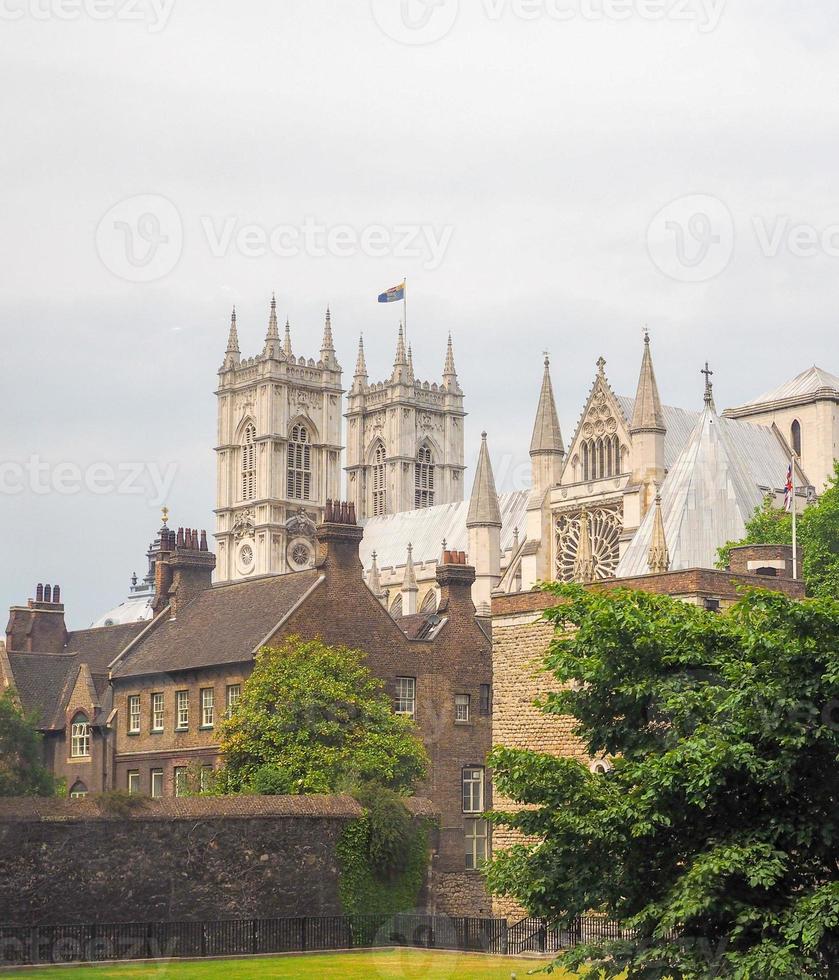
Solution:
(484, 525)
(547, 450)
(647, 431)
(233, 355)
(272, 338)
(410, 589)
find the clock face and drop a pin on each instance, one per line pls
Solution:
(246, 559)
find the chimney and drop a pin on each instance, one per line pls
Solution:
(38, 627)
(191, 570)
(455, 579)
(339, 537)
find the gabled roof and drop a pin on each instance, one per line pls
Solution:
(41, 681)
(679, 423)
(814, 381)
(222, 625)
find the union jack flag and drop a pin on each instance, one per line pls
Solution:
(789, 491)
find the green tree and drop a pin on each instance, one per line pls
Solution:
(715, 837)
(818, 537)
(22, 770)
(313, 719)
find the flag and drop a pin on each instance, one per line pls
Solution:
(394, 295)
(788, 491)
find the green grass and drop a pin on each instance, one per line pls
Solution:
(399, 964)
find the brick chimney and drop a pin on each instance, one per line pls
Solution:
(769, 560)
(338, 538)
(38, 627)
(455, 579)
(184, 568)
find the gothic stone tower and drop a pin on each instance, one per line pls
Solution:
(278, 454)
(404, 438)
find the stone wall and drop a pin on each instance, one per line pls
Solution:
(67, 861)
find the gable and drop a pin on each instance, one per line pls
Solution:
(603, 429)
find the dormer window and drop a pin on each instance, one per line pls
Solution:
(80, 736)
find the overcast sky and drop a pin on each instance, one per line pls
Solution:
(549, 175)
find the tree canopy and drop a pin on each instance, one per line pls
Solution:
(714, 840)
(314, 719)
(818, 537)
(22, 770)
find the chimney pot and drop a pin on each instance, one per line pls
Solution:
(56, 594)
(47, 593)
(39, 592)
(204, 541)
(180, 539)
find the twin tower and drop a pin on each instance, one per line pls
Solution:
(280, 443)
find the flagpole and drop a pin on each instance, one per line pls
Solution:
(405, 301)
(794, 524)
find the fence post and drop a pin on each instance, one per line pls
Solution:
(505, 937)
(253, 936)
(303, 936)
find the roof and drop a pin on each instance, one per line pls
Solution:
(680, 424)
(40, 680)
(483, 504)
(389, 536)
(222, 625)
(133, 610)
(547, 435)
(710, 492)
(647, 414)
(814, 381)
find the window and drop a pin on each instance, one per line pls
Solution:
(299, 463)
(476, 844)
(795, 437)
(181, 782)
(78, 791)
(134, 714)
(156, 784)
(473, 790)
(249, 463)
(486, 699)
(406, 696)
(80, 737)
(208, 707)
(206, 783)
(424, 479)
(157, 712)
(133, 781)
(462, 703)
(379, 481)
(234, 693)
(182, 702)
(601, 458)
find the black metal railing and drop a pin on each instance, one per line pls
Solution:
(29, 945)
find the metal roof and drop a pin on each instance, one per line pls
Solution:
(809, 382)
(390, 536)
(680, 424)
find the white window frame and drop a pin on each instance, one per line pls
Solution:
(462, 709)
(80, 737)
(473, 779)
(476, 833)
(206, 778)
(78, 794)
(405, 702)
(132, 782)
(180, 780)
(156, 775)
(133, 714)
(158, 706)
(232, 697)
(181, 711)
(208, 707)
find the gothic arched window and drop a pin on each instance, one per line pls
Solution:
(795, 433)
(424, 479)
(249, 463)
(80, 736)
(299, 463)
(78, 791)
(379, 481)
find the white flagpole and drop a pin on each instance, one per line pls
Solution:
(405, 301)
(794, 524)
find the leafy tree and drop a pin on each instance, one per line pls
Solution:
(22, 771)
(714, 840)
(818, 536)
(313, 719)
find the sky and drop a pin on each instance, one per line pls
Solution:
(550, 175)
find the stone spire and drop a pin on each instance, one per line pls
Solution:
(411, 376)
(287, 342)
(659, 556)
(360, 365)
(233, 354)
(584, 561)
(410, 589)
(327, 347)
(272, 338)
(547, 435)
(400, 362)
(647, 416)
(374, 582)
(484, 510)
(449, 371)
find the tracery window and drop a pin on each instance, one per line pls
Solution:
(601, 457)
(379, 481)
(249, 463)
(299, 463)
(424, 479)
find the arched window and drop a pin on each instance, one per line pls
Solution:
(429, 603)
(424, 479)
(586, 465)
(80, 736)
(396, 607)
(379, 481)
(299, 463)
(795, 433)
(78, 791)
(249, 463)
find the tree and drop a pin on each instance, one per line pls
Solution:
(715, 837)
(818, 537)
(313, 719)
(22, 771)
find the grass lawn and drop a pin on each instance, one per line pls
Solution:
(399, 964)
